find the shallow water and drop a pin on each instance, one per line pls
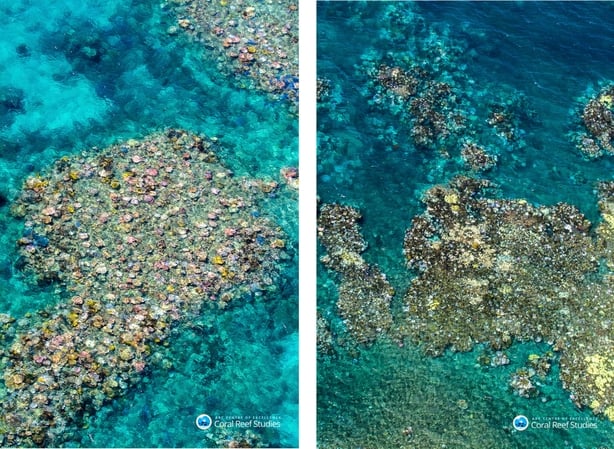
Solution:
(81, 74)
(545, 56)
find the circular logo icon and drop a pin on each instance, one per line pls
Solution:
(204, 421)
(520, 423)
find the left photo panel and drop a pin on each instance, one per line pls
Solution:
(149, 224)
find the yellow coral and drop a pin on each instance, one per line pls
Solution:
(14, 381)
(608, 218)
(73, 317)
(278, 243)
(226, 273)
(351, 258)
(451, 198)
(601, 369)
(72, 357)
(606, 100)
(434, 304)
(37, 184)
(92, 305)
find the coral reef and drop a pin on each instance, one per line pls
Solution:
(428, 104)
(502, 270)
(504, 121)
(511, 270)
(322, 89)
(142, 235)
(586, 362)
(587, 367)
(364, 292)
(605, 230)
(525, 380)
(256, 40)
(290, 177)
(476, 157)
(489, 271)
(598, 121)
(440, 107)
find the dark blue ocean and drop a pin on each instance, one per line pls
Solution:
(79, 74)
(542, 60)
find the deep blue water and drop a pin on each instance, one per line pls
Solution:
(79, 74)
(545, 58)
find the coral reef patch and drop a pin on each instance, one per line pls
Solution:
(256, 41)
(142, 235)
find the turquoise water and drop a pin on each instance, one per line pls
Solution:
(82, 74)
(222, 365)
(542, 60)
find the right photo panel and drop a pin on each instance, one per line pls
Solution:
(465, 225)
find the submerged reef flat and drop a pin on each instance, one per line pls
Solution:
(142, 235)
(426, 93)
(597, 137)
(253, 39)
(394, 400)
(364, 292)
